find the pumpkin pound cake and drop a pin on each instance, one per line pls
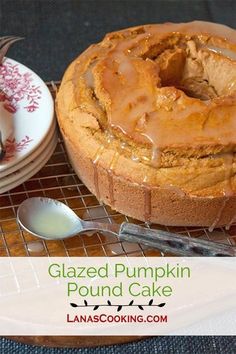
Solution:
(148, 117)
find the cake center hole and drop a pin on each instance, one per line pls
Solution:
(195, 70)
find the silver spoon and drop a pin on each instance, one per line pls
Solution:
(50, 219)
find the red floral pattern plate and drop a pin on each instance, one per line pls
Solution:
(33, 156)
(27, 98)
(22, 175)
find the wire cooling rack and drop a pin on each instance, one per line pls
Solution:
(58, 180)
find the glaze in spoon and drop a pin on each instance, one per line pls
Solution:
(50, 219)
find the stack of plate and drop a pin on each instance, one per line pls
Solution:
(27, 124)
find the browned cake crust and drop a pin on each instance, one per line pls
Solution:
(148, 117)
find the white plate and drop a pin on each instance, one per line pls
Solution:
(27, 97)
(30, 166)
(30, 174)
(30, 169)
(32, 156)
(40, 164)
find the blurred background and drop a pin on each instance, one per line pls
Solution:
(56, 31)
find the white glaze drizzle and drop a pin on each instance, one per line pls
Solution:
(218, 215)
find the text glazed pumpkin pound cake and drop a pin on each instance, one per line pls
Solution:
(148, 116)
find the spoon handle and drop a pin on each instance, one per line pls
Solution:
(173, 243)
